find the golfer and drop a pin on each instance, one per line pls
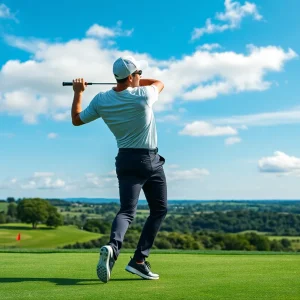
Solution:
(127, 111)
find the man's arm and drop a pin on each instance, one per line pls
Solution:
(157, 83)
(78, 87)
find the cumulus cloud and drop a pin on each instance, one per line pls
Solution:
(38, 181)
(104, 32)
(33, 88)
(168, 118)
(291, 116)
(280, 163)
(95, 181)
(49, 181)
(24, 102)
(232, 125)
(201, 128)
(230, 19)
(232, 141)
(8, 184)
(209, 47)
(214, 74)
(173, 174)
(5, 13)
(52, 135)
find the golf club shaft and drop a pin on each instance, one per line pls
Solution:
(87, 83)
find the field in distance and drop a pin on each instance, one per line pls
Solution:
(42, 237)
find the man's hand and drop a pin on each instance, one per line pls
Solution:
(79, 85)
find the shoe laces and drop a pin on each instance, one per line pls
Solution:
(147, 264)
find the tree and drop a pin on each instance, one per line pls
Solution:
(33, 211)
(12, 210)
(2, 217)
(10, 199)
(54, 219)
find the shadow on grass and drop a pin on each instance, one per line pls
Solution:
(62, 281)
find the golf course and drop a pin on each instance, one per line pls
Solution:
(183, 275)
(35, 268)
(43, 237)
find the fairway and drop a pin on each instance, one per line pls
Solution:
(42, 237)
(182, 276)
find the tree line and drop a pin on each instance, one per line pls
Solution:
(32, 211)
(198, 241)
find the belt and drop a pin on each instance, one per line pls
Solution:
(138, 150)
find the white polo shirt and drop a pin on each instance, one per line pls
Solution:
(128, 114)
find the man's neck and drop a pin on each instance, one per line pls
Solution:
(121, 87)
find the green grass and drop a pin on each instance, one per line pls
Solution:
(276, 237)
(42, 237)
(182, 276)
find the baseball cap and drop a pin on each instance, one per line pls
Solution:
(124, 66)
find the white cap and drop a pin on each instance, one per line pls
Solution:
(124, 66)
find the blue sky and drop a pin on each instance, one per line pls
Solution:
(228, 119)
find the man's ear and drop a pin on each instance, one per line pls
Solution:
(130, 78)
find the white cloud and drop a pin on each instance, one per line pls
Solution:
(5, 13)
(24, 102)
(231, 125)
(201, 128)
(105, 32)
(52, 135)
(39, 91)
(214, 74)
(280, 163)
(167, 118)
(41, 181)
(209, 47)
(173, 166)
(210, 91)
(94, 181)
(8, 184)
(231, 18)
(232, 140)
(192, 174)
(42, 174)
(62, 116)
(263, 119)
(49, 180)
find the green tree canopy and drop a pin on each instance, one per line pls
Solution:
(12, 210)
(38, 210)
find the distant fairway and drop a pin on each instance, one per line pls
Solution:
(182, 276)
(42, 237)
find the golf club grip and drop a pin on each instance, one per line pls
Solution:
(71, 83)
(88, 83)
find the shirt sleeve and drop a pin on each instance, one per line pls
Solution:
(151, 94)
(91, 113)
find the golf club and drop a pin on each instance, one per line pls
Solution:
(87, 83)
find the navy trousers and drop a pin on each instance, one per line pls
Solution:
(139, 169)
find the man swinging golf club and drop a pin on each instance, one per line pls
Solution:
(127, 111)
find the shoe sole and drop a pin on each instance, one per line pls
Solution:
(103, 271)
(136, 272)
